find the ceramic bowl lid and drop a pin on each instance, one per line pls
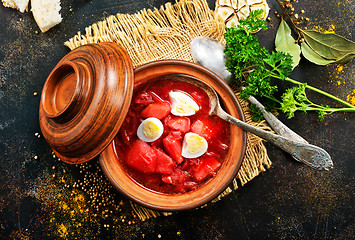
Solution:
(85, 100)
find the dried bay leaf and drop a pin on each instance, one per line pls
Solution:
(312, 56)
(284, 42)
(345, 59)
(330, 45)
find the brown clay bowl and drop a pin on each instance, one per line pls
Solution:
(165, 202)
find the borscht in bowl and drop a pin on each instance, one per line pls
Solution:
(170, 154)
(168, 142)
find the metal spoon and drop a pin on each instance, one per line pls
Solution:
(307, 153)
(209, 53)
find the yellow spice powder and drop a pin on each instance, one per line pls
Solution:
(351, 98)
(330, 29)
(62, 230)
(340, 68)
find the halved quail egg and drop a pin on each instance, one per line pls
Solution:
(182, 104)
(193, 145)
(150, 129)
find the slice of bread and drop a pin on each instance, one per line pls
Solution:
(20, 5)
(46, 13)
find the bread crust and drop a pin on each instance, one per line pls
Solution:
(46, 13)
(21, 5)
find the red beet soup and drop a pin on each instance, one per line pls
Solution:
(157, 160)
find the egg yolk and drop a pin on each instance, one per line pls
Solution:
(150, 129)
(184, 106)
(195, 144)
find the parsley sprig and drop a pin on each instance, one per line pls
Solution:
(255, 68)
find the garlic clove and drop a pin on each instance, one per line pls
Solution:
(240, 15)
(232, 22)
(245, 10)
(224, 12)
(224, 3)
(237, 4)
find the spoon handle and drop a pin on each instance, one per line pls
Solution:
(311, 155)
(275, 123)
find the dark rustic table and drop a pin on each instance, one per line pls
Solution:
(289, 201)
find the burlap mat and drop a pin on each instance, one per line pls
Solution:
(165, 33)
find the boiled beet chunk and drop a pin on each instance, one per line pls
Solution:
(142, 157)
(199, 99)
(158, 110)
(206, 167)
(207, 128)
(164, 163)
(177, 177)
(172, 145)
(181, 124)
(181, 181)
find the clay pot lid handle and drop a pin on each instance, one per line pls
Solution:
(62, 92)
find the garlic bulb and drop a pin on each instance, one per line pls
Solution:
(231, 11)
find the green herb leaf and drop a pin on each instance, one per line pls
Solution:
(257, 70)
(256, 114)
(280, 62)
(329, 45)
(253, 22)
(284, 42)
(312, 56)
(288, 104)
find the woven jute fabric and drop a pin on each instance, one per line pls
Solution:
(165, 33)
